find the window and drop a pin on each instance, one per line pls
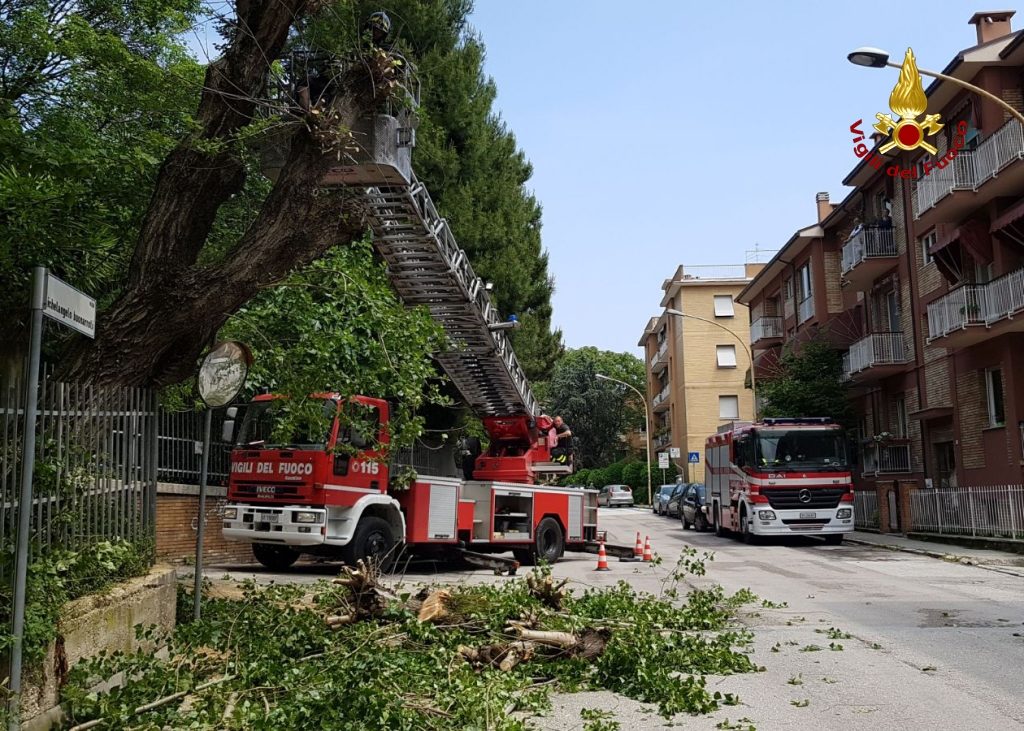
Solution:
(982, 273)
(901, 417)
(728, 407)
(804, 282)
(892, 310)
(927, 242)
(788, 287)
(723, 305)
(994, 397)
(726, 356)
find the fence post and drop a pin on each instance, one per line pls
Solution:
(1013, 514)
(970, 507)
(938, 511)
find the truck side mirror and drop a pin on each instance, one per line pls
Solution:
(227, 431)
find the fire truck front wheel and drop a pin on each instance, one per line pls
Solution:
(549, 544)
(720, 530)
(276, 558)
(373, 541)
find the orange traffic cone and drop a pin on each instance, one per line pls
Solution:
(648, 556)
(638, 549)
(602, 559)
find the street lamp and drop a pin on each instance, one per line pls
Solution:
(647, 420)
(876, 58)
(746, 348)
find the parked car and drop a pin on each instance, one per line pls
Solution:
(675, 500)
(661, 498)
(693, 507)
(613, 496)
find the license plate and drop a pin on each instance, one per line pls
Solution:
(266, 517)
(808, 515)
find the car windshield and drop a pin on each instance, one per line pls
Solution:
(795, 449)
(264, 427)
(699, 489)
(666, 490)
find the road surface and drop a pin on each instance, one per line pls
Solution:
(935, 644)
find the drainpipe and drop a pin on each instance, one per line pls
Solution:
(915, 314)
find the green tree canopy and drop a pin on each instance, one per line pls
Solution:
(807, 382)
(597, 411)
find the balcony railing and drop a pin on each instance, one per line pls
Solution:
(977, 304)
(805, 310)
(661, 398)
(662, 439)
(970, 169)
(660, 358)
(886, 459)
(765, 328)
(871, 242)
(877, 349)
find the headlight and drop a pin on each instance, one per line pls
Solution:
(766, 514)
(844, 513)
(306, 516)
(230, 513)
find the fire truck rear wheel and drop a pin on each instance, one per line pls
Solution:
(277, 558)
(373, 541)
(548, 545)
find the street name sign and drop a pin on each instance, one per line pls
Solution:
(69, 306)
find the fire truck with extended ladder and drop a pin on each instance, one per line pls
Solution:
(309, 496)
(777, 477)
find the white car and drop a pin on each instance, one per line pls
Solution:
(612, 496)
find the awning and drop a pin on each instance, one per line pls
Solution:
(973, 235)
(1012, 217)
(931, 414)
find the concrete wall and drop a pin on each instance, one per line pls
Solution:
(93, 624)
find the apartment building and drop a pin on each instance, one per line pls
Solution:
(698, 361)
(921, 283)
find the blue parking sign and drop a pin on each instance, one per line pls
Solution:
(694, 458)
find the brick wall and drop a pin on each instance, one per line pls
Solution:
(833, 292)
(937, 381)
(973, 418)
(899, 230)
(1015, 98)
(907, 318)
(176, 508)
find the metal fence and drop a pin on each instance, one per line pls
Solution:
(95, 469)
(865, 509)
(996, 512)
(179, 451)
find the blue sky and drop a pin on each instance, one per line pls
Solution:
(686, 133)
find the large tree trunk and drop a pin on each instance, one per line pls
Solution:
(172, 307)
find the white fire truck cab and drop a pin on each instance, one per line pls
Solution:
(780, 477)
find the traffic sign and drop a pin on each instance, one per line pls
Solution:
(694, 458)
(663, 460)
(673, 452)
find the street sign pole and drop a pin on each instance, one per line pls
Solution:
(25, 501)
(201, 523)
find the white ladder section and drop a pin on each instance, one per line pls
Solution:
(427, 267)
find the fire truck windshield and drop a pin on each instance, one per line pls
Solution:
(800, 449)
(267, 426)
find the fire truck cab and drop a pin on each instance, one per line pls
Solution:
(784, 476)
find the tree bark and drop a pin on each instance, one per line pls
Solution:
(172, 307)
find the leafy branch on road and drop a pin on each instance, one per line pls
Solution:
(279, 657)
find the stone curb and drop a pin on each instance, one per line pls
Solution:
(951, 557)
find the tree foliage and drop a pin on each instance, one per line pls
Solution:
(597, 411)
(807, 382)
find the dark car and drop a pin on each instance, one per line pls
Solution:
(672, 504)
(662, 496)
(694, 509)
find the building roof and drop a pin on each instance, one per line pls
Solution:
(773, 268)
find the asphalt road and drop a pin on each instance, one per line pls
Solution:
(935, 645)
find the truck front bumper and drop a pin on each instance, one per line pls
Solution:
(290, 526)
(769, 522)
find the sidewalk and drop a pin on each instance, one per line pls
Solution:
(1009, 563)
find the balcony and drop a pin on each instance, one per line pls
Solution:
(886, 459)
(660, 402)
(660, 359)
(662, 440)
(870, 253)
(766, 331)
(965, 180)
(972, 313)
(877, 356)
(805, 310)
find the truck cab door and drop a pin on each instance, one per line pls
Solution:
(358, 457)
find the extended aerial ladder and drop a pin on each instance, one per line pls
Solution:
(427, 267)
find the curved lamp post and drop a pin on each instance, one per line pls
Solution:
(876, 58)
(746, 348)
(647, 419)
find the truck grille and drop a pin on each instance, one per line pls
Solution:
(788, 498)
(262, 491)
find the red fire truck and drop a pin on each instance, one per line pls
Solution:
(779, 477)
(337, 493)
